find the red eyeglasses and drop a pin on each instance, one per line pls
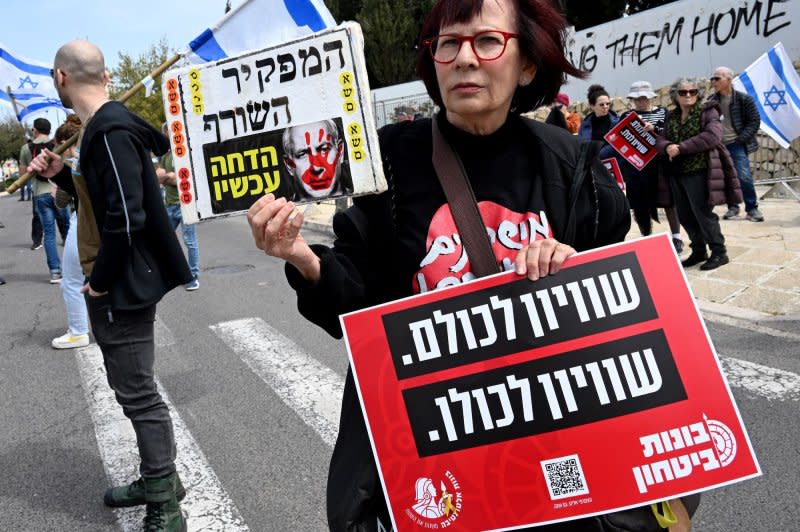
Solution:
(487, 45)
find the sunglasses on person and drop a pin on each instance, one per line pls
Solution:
(690, 92)
(715, 78)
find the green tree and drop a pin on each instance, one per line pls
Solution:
(12, 137)
(131, 70)
(343, 10)
(391, 36)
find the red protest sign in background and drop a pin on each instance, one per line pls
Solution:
(612, 166)
(631, 140)
(504, 402)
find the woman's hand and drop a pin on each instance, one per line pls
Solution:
(673, 151)
(278, 235)
(542, 258)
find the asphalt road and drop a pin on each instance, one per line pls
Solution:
(262, 455)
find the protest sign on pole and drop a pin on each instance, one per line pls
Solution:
(504, 403)
(293, 120)
(632, 140)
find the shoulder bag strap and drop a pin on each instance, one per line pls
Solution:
(463, 206)
(570, 228)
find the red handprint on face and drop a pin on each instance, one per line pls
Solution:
(323, 158)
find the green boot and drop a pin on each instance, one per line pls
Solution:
(133, 494)
(163, 511)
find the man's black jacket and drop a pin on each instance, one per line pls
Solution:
(139, 259)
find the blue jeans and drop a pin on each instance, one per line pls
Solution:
(77, 321)
(48, 212)
(189, 238)
(742, 163)
(26, 189)
(126, 339)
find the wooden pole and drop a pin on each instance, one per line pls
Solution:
(13, 100)
(74, 138)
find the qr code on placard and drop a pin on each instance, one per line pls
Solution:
(564, 477)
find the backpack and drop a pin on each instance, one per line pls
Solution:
(36, 149)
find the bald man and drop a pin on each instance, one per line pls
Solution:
(131, 258)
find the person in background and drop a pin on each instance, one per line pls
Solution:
(740, 123)
(700, 171)
(43, 202)
(165, 172)
(561, 116)
(641, 186)
(600, 120)
(77, 334)
(131, 258)
(26, 188)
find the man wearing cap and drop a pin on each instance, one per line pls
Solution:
(43, 202)
(740, 122)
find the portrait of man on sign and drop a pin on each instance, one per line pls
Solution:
(314, 155)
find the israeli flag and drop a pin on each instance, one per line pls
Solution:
(773, 83)
(29, 83)
(258, 23)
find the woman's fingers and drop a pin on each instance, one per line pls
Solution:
(542, 258)
(562, 253)
(257, 216)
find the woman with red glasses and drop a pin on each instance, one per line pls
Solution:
(699, 171)
(483, 63)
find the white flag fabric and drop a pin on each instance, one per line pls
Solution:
(30, 84)
(773, 83)
(257, 24)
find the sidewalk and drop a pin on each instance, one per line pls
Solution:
(761, 282)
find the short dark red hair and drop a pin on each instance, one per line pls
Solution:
(541, 28)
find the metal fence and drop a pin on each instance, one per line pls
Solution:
(400, 109)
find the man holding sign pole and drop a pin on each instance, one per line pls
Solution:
(131, 259)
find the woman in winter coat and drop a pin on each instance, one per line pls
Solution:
(600, 120)
(700, 171)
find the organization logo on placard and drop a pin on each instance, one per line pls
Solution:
(436, 501)
(703, 446)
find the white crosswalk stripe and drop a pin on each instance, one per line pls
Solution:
(207, 505)
(761, 380)
(311, 389)
(308, 387)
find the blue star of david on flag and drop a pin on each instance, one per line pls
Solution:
(768, 101)
(27, 81)
(25, 85)
(774, 85)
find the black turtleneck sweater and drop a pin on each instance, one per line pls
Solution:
(506, 184)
